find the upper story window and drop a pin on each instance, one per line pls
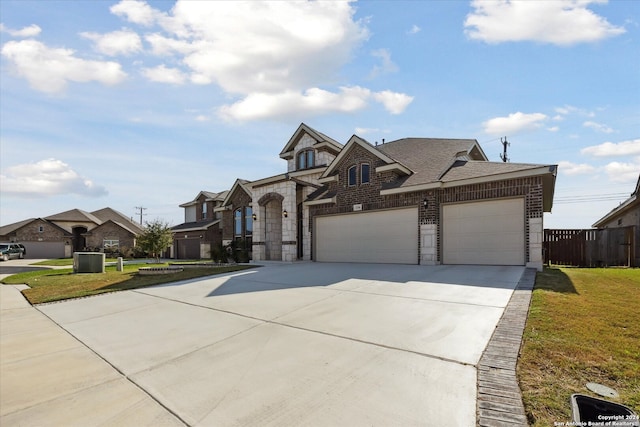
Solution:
(204, 210)
(306, 159)
(40, 229)
(364, 173)
(237, 222)
(352, 175)
(248, 220)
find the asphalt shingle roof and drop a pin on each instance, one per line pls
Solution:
(474, 169)
(427, 158)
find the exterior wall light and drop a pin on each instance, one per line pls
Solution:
(425, 203)
(285, 214)
(254, 217)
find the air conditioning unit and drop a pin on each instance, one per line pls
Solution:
(88, 262)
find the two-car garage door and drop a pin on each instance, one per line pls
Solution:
(388, 236)
(487, 232)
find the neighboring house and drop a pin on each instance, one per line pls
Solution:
(59, 235)
(201, 230)
(237, 217)
(627, 214)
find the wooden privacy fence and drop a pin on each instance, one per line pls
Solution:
(592, 247)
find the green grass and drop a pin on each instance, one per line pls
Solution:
(583, 326)
(60, 262)
(54, 285)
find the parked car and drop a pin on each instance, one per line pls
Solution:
(24, 250)
(10, 250)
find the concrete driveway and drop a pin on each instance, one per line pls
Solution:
(303, 343)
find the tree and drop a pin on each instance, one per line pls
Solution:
(155, 238)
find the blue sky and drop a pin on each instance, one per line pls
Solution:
(135, 103)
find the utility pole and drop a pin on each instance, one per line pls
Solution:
(141, 209)
(505, 143)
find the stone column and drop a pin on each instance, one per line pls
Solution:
(428, 244)
(536, 236)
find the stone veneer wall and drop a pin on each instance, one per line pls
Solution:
(321, 157)
(268, 220)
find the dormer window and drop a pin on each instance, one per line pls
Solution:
(204, 210)
(306, 159)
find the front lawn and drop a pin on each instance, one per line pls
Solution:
(60, 284)
(583, 326)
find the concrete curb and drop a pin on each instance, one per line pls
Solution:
(499, 401)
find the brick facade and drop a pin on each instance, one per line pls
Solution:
(368, 195)
(31, 233)
(110, 231)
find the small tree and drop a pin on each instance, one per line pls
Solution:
(155, 238)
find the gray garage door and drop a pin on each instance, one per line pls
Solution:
(389, 236)
(48, 250)
(488, 232)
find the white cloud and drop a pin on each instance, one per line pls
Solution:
(598, 127)
(266, 54)
(124, 42)
(623, 172)
(560, 22)
(553, 129)
(394, 102)
(387, 65)
(311, 101)
(162, 74)
(414, 29)
(364, 131)
(29, 58)
(30, 31)
(514, 123)
(138, 12)
(48, 177)
(569, 168)
(610, 149)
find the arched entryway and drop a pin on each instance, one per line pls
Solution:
(78, 239)
(271, 207)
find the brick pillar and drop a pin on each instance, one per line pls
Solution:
(535, 243)
(428, 244)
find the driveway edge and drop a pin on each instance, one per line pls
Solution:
(499, 400)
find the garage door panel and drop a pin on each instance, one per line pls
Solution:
(487, 232)
(375, 237)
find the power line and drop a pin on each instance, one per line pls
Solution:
(140, 209)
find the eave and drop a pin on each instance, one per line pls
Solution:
(320, 201)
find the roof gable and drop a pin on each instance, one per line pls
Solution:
(239, 185)
(106, 214)
(632, 202)
(208, 196)
(321, 139)
(10, 228)
(356, 141)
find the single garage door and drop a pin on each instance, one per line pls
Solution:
(488, 232)
(44, 250)
(389, 236)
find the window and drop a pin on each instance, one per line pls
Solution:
(364, 173)
(204, 210)
(248, 220)
(111, 245)
(351, 176)
(40, 229)
(237, 222)
(306, 159)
